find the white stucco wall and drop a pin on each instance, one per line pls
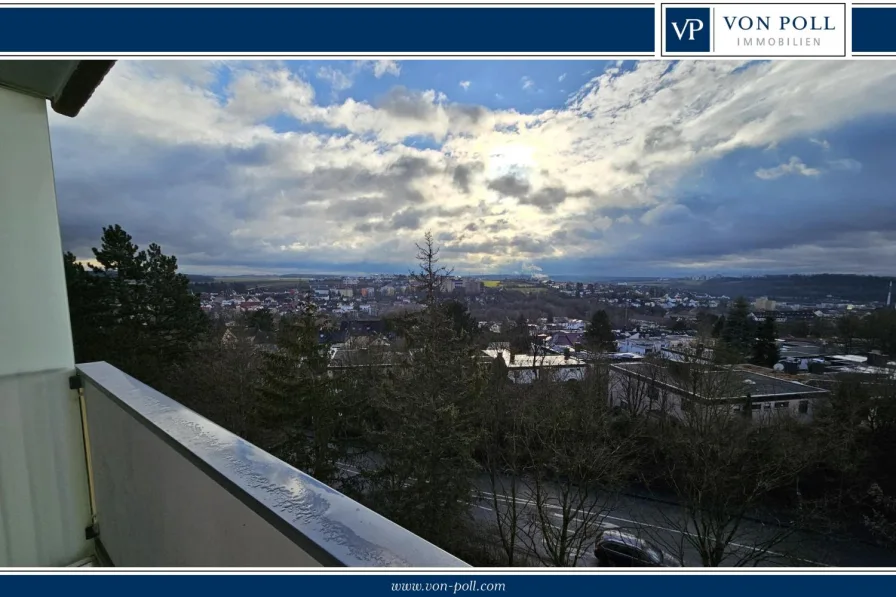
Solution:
(44, 505)
(526, 375)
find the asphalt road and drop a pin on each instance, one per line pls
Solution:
(663, 525)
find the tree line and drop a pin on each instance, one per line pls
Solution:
(439, 440)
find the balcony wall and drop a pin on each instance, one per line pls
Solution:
(174, 489)
(43, 480)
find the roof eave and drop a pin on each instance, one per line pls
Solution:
(77, 90)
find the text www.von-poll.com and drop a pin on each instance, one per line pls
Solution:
(470, 586)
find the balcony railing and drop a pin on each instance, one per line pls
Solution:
(174, 489)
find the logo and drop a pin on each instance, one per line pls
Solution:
(687, 29)
(691, 26)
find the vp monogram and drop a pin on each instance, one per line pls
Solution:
(690, 27)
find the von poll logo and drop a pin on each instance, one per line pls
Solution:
(687, 29)
(760, 30)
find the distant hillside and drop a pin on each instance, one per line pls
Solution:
(794, 288)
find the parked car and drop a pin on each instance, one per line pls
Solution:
(615, 548)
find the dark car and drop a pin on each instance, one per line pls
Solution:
(615, 548)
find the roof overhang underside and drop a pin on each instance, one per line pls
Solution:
(67, 84)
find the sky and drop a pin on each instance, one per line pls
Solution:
(604, 168)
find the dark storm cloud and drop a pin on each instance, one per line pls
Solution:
(333, 184)
(527, 244)
(546, 199)
(462, 175)
(450, 212)
(631, 167)
(490, 247)
(358, 208)
(498, 226)
(405, 103)
(615, 212)
(174, 196)
(402, 102)
(500, 246)
(466, 115)
(510, 186)
(411, 167)
(585, 234)
(385, 192)
(407, 219)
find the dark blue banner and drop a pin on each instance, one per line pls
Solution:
(370, 585)
(448, 30)
(874, 29)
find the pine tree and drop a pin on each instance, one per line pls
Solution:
(599, 336)
(262, 320)
(132, 308)
(738, 333)
(426, 425)
(303, 416)
(461, 320)
(765, 350)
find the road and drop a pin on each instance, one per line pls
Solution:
(660, 523)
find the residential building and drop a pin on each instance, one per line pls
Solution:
(526, 368)
(99, 468)
(561, 341)
(677, 389)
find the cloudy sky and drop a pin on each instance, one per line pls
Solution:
(604, 168)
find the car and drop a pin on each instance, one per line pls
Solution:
(616, 548)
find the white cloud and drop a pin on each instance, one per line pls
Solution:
(846, 164)
(561, 77)
(821, 143)
(465, 85)
(794, 166)
(338, 80)
(386, 67)
(527, 83)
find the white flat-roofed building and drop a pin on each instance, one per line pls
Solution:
(665, 387)
(526, 368)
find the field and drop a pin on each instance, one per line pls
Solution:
(523, 287)
(491, 283)
(269, 282)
